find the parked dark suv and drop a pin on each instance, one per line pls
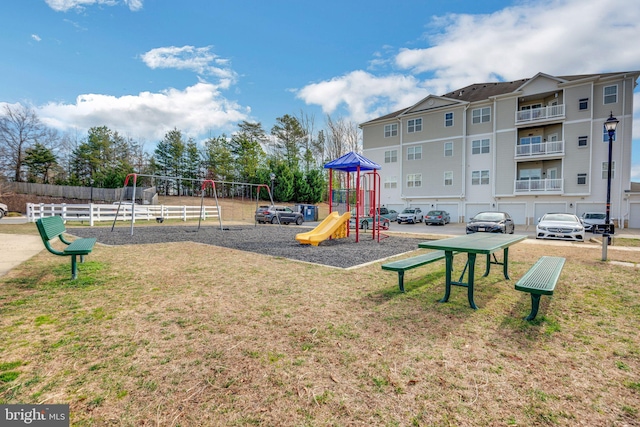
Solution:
(271, 214)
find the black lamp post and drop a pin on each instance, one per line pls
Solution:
(273, 178)
(610, 126)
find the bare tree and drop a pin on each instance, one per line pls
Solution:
(20, 128)
(307, 122)
(342, 136)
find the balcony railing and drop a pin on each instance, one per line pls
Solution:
(540, 149)
(538, 114)
(538, 186)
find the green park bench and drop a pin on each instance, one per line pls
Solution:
(409, 263)
(540, 280)
(52, 227)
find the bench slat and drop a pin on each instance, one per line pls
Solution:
(540, 280)
(408, 263)
(80, 246)
(413, 262)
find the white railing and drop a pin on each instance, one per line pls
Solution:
(540, 149)
(538, 185)
(543, 113)
(100, 212)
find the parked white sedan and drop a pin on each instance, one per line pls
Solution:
(560, 226)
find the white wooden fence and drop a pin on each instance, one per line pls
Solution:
(100, 212)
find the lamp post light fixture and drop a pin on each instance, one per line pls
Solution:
(610, 126)
(273, 178)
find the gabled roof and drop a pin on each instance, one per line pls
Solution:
(484, 91)
(350, 162)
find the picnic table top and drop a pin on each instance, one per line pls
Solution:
(480, 243)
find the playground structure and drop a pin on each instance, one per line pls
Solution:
(203, 187)
(367, 191)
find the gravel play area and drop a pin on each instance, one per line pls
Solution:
(264, 239)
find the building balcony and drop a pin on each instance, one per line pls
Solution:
(540, 149)
(539, 114)
(545, 186)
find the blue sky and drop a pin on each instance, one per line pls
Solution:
(144, 67)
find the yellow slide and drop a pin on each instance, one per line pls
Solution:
(335, 225)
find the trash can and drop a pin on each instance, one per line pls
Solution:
(309, 212)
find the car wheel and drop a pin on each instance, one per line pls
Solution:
(299, 221)
(274, 220)
(1, 214)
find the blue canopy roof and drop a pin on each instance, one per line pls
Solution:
(350, 162)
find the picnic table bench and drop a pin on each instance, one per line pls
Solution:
(540, 280)
(408, 263)
(52, 227)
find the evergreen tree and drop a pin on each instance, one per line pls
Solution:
(39, 161)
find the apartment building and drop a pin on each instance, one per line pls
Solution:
(525, 147)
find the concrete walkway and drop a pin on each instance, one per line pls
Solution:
(16, 249)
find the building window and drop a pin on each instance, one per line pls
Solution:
(414, 125)
(391, 156)
(448, 178)
(583, 141)
(414, 180)
(605, 166)
(611, 94)
(481, 115)
(391, 182)
(390, 130)
(605, 135)
(582, 179)
(583, 104)
(448, 120)
(414, 153)
(480, 177)
(448, 149)
(480, 146)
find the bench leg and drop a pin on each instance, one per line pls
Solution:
(401, 280)
(81, 259)
(74, 268)
(535, 304)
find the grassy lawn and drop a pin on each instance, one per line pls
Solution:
(189, 334)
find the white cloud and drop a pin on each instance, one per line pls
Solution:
(559, 37)
(36, 37)
(198, 59)
(363, 94)
(65, 5)
(148, 116)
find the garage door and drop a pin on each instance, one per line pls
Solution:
(518, 211)
(543, 208)
(452, 208)
(634, 215)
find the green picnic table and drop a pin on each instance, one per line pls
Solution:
(473, 244)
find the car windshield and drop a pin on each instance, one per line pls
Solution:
(559, 217)
(594, 216)
(489, 216)
(409, 211)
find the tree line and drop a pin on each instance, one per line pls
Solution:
(289, 158)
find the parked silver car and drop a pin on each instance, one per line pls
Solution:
(437, 217)
(561, 226)
(591, 219)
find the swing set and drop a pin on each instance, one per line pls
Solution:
(203, 187)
